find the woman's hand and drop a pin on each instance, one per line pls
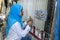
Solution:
(30, 21)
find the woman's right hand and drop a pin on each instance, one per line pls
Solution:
(30, 23)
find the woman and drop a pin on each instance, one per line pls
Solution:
(14, 27)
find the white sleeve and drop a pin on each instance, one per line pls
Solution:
(20, 32)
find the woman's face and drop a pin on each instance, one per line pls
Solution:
(22, 13)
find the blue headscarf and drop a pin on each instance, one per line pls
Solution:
(13, 17)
